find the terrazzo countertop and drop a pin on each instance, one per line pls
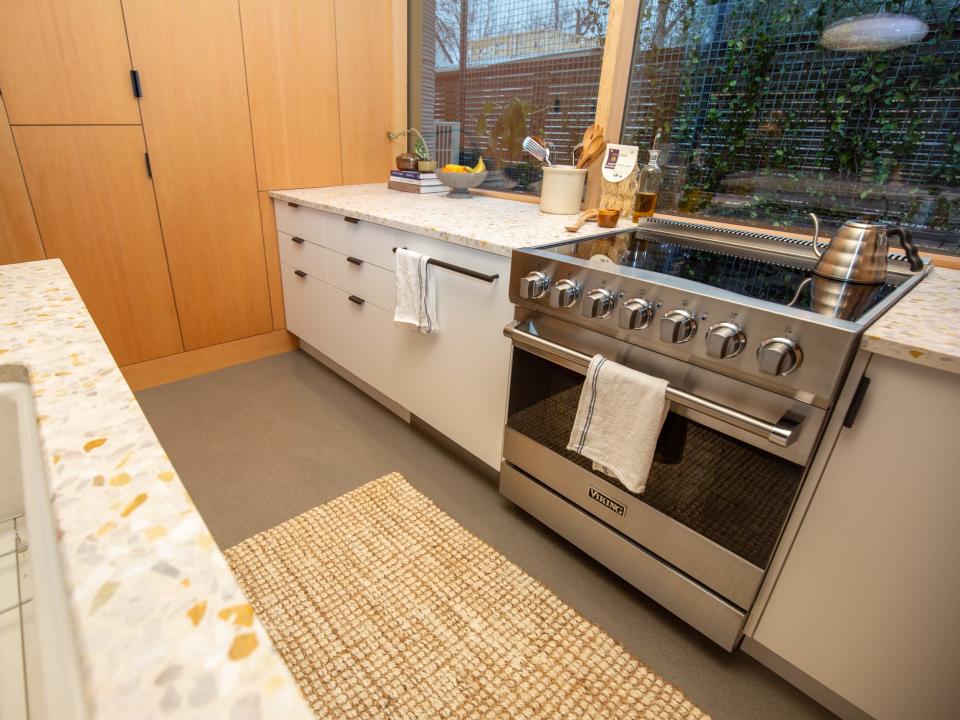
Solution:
(924, 327)
(163, 628)
(483, 223)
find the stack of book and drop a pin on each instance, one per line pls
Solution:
(415, 182)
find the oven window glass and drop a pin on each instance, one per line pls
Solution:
(726, 490)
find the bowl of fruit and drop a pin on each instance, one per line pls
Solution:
(460, 178)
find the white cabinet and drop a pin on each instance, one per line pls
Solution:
(456, 380)
(867, 601)
(362, 340)
(342, 304)
(304, 297)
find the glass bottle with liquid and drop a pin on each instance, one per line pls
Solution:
(649, 179)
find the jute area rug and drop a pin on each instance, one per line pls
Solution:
(384, 607)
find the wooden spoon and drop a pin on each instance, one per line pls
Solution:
(593, 145)
(581, 219)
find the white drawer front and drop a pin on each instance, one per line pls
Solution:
(359, 277)
(368, 241)
(301, 254)
(362, 339)
(304, 301)
(299, 221)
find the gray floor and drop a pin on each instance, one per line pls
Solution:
(260, 443)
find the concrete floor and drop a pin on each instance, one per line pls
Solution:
(259, 443)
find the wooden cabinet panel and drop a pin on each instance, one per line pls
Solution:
(366, 45)
(65, 62)
(290, 48)
(197, 125)
(19, 239)
(96, 211)
(268, 222)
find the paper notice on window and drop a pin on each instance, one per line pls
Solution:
(619, 162)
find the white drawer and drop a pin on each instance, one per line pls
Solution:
(299, 221)
(362, 339)
(359, 277)
(365, 240)
(304, 301)
(301, 254)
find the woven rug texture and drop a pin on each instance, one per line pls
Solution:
(384, 607)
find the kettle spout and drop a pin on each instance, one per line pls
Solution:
(816, 235)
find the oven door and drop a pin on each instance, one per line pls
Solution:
(728, 466)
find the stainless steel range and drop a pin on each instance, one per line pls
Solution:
(756, 349)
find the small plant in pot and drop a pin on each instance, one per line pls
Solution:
(420, 158)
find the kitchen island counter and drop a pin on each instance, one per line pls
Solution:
(162, 627)
(923, 327)
(483, 223)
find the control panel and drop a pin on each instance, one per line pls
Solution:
(719, 333)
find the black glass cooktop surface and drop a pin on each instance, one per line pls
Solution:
(754, 278)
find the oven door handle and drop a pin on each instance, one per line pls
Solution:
(781, 433)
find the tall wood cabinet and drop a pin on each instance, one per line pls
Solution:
(19, 239)
(94, 204)
(169, 235)
(65, 62)
(291, 51)
(197, 124)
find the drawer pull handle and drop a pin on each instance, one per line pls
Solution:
(355, 299)
(351, 220)
(354, 261)
(293, 204)
(297, 240)
(299, 273)
(462, 270)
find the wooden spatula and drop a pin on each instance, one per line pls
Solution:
(581, 219)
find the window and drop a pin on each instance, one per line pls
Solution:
(771, 109)
(492, 72)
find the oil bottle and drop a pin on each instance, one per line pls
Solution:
(649, 179)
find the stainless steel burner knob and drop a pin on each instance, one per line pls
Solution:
(598, 303)
(725, 340)
(677, 326)
(533, 286)
(635, 314)
(564, 294)
(779, 356)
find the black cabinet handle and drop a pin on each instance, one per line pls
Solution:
(355, 299)
(354, 261)
(299, 273)
(851, 417)
(297, 240)
(135, 81)
(293, 204)
(351, 220)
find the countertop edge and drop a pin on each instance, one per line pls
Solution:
(160, 620)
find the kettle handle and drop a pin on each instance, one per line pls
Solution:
(816, 235)
(909, 247)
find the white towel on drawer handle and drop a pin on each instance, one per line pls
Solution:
(416, 292)
(618, 421)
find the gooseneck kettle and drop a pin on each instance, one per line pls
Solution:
(858, 252)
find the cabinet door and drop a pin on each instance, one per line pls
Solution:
(456, 379)
(867, 600)
(65, 63)
(290, 48)
(19, 239)
(96, 211)
(367, 49)
(197, 124)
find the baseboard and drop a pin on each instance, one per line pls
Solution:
(159, 371)
(839, 706)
